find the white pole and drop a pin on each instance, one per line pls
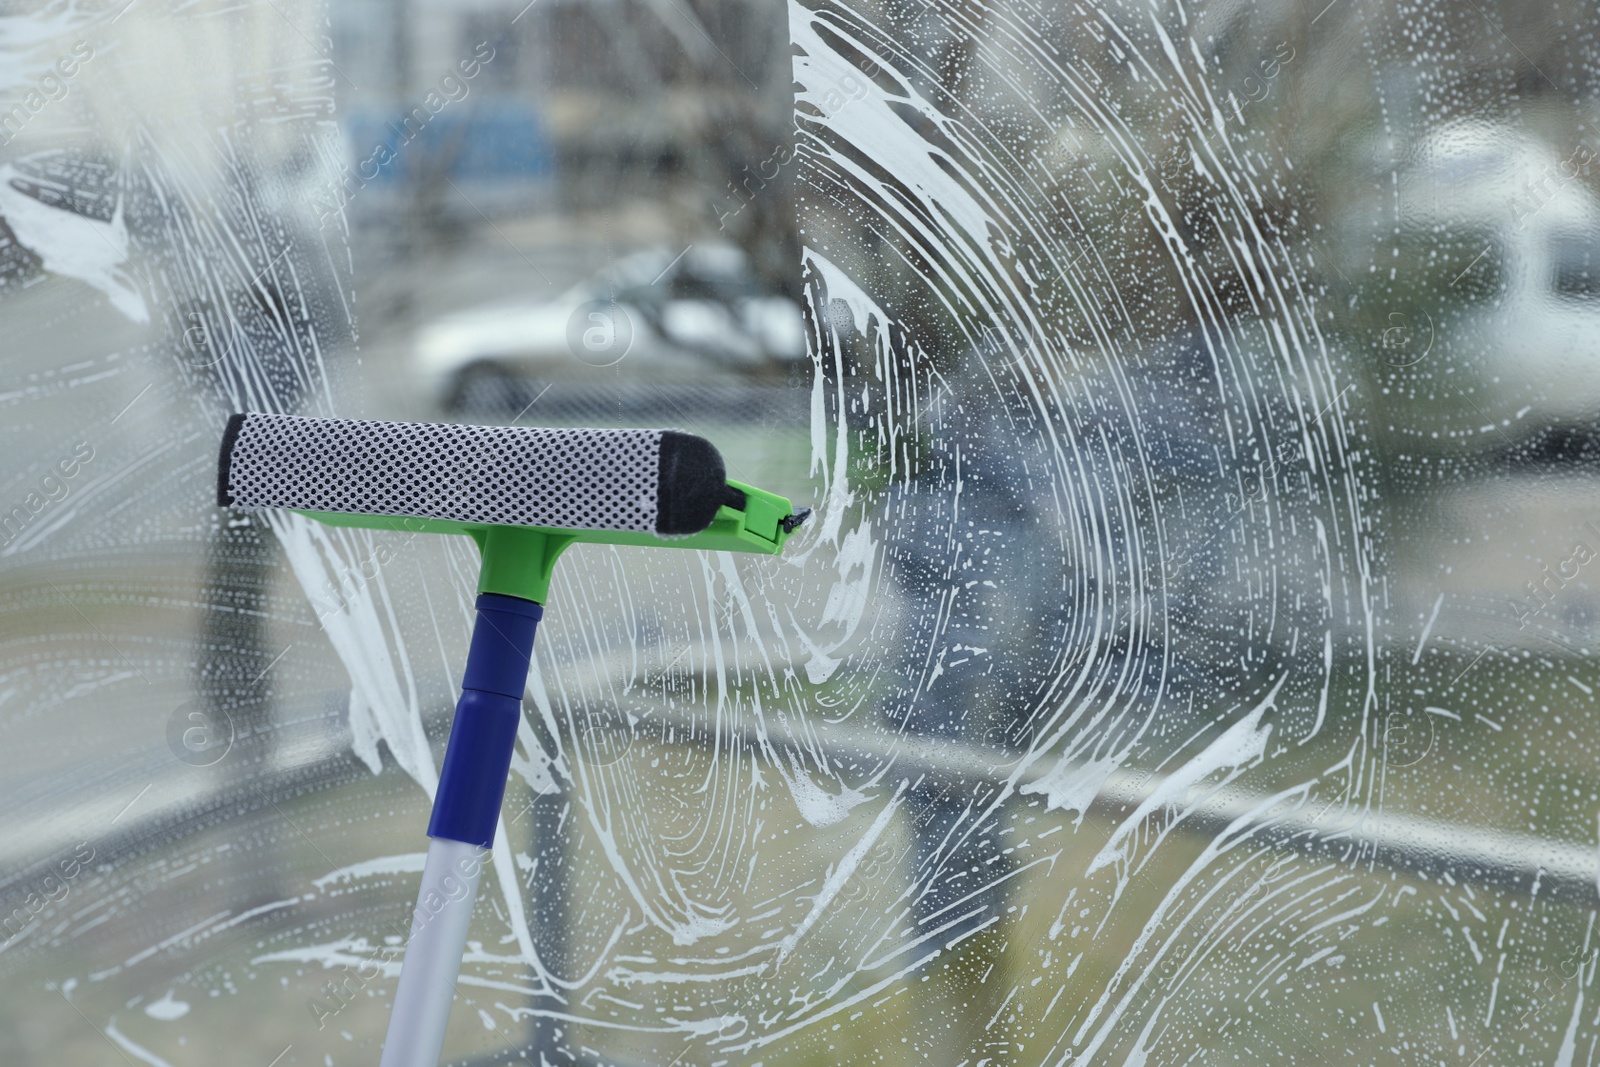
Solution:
(433, 954)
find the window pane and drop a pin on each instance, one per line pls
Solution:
(1189, 657)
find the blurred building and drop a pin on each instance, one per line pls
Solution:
(570, 109)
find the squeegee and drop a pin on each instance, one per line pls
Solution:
(524, 495)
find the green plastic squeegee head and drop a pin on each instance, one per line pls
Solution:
(518, 560)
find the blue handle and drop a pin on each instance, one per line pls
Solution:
(477, 759)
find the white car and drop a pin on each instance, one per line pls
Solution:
(658, 315)
(1526, 212)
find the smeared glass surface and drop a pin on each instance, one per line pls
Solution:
(1190, 656)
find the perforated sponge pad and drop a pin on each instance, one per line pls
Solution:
(647, 481)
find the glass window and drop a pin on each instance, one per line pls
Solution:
(1577, 268)
(1190, 655)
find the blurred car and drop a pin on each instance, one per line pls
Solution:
(1525, 228)
(1492, 276)
(687, 316)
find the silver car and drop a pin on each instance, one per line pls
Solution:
(691, 316)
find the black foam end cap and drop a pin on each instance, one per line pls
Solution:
(225, 458)
(693, 484)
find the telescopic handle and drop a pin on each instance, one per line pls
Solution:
(466, 810)
(433, 954)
